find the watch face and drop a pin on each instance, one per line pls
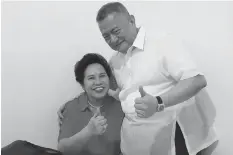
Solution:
(161, 107)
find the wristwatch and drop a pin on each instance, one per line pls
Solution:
(161, 105)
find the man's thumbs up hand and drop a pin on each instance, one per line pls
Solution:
(142, 91)
(146, 105)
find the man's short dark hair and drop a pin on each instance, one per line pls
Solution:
(109, 8)
(88, 59)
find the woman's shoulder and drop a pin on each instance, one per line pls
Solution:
(75, 102)
(113, 102)
(114, 107)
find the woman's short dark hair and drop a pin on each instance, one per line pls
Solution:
(88, 59)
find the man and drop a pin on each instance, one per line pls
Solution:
(159, 86)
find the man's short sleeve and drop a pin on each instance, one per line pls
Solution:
(177, 60)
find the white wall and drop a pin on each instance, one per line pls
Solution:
(41, 41)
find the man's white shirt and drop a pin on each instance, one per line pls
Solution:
(158, 63)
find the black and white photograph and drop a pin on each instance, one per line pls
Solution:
(116, 77)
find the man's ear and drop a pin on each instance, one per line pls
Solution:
(132, 19)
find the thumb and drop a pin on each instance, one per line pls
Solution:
(97, 112)
(142, 91)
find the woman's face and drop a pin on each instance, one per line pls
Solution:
(96, 81)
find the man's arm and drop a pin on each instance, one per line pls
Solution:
(147, 105)
(184, 90)
(60, 113)
(114, 87)
(179, 65)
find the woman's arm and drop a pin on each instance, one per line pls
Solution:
(74, 143)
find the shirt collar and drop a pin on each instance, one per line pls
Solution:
(83, 102)
(140, 39)
(138, 42)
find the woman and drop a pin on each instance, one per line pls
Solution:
(92, 121)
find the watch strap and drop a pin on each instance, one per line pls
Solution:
(159, 99)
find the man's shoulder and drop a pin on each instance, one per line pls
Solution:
(115, 60)
(163, 42)
(159, 36)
